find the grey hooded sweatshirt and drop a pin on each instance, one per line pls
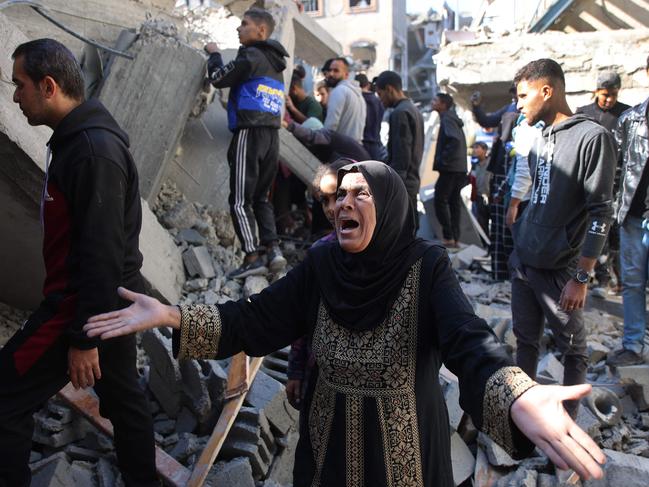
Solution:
(570, 211)
(346, 110)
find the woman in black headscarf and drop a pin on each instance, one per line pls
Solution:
(383, 310)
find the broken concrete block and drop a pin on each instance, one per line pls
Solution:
(257, 416)
(233, 449)
(485, 475)
(195, 390)
(637, 373)
(622, 470)
(546, 480)
(549, 370)
(75, 452)
(187, 445)
(191, 236)
(519, 478)
(198, 262)
(106, 474)
(193, 285)
(492, 311)
(186, 422)
(587, 421)
(164, 427)
(217, 380)
(235, 472)
(596, 351)
(282, 467)
(254, 285)
(495, 454)
(462, 460)
(464, 258)
(71, 432)
(452, 398)
(268, 394)
(53, 471)
(165, 380)
(82, 473)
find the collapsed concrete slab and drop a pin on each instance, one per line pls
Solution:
(23, 150)
(462, 69)
(96, 19)
(143, 96)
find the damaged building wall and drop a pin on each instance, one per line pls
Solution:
(95, 19)
(461, 66)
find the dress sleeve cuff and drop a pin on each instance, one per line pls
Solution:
(200, 331)
(502, 389)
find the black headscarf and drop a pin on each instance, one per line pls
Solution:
(359, 288)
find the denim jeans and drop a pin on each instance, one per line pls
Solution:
(634, 259)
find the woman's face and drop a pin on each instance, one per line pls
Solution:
(355, 213)
(327, 196)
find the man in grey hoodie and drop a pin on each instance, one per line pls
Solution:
(346, 108)
(562, 231)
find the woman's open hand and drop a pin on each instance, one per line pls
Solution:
(143, 314)
(540, 415)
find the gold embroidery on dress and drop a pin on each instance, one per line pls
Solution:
(320, 418)
(200, 331)
(354, 439)
(381, 364)
(502, 389)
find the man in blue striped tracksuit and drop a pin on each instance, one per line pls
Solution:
(254, 116)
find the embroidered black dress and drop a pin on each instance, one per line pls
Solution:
(375, 413)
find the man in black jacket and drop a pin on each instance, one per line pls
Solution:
(406, 139)
(254, 115)
(605, 110)
(91, 217)
(562, 231)
(451, 163)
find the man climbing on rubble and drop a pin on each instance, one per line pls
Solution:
(254, 116)
(91, 218)
(561, 233)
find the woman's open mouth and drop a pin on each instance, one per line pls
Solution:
(348, 225)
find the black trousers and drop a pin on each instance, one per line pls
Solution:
(448, 202)
(535, 298)
(34, 367)
(253, 159)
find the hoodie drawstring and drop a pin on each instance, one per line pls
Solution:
(45, 196)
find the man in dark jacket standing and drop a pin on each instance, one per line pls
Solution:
(91, 218)
(254, 116)
(605, 110)
(406, 139)
(631, 135)
(373, 119)
(451, 163)
(562, 231)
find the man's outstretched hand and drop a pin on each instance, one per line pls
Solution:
(540, 415)
(145, 313)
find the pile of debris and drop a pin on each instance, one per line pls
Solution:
(615, 415)
(185, 398)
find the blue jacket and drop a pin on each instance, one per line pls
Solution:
(256, 84)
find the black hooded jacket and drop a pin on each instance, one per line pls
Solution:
(450, 151)
(256, 84)
(91, 219)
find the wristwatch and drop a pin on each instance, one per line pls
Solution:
(581, 276)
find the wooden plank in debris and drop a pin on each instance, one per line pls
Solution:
(238, 375)
(173, 474)
(225, 422)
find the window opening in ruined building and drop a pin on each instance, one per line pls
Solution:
(312, 7)
(364, 53)
(358, 6)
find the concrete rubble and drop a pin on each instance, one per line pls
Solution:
(186, 398)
